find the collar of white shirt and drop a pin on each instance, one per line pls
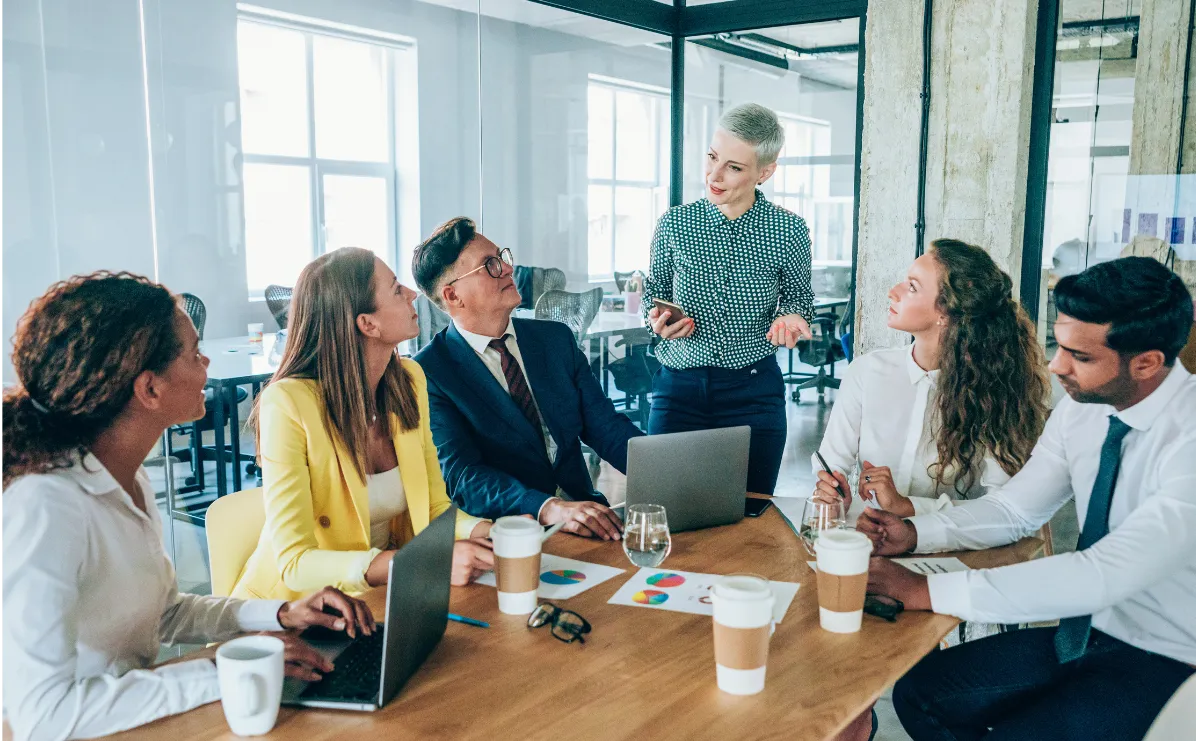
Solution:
(90, 475)
(480, 342)
(1143, 414)
(915, 371)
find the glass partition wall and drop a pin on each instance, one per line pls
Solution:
(219, 146)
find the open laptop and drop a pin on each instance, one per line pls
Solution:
(371, 670)
(700, 477)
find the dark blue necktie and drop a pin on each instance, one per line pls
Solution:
(1071, 639)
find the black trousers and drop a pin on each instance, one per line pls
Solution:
(709, 398)
(1012, 684)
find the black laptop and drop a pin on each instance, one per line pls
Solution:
(371, 670)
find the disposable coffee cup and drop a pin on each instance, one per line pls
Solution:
(742, 627)
(842, 579)
(256, 332)
(250, 672)
(516, 563)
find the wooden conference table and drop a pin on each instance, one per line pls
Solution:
(642, 673)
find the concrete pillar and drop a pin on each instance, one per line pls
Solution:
(982, 60)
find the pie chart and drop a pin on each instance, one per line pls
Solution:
(649, 597)
(666, 580)
(562, 577)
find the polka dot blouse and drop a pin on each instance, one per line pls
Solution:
(734, 277)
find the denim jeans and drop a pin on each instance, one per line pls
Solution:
(709, 398)
(1011, 686)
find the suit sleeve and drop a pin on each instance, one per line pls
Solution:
(290, 514)
(437, 492)
(603, 428)
(479, 489)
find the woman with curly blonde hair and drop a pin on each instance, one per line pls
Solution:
(957, 413)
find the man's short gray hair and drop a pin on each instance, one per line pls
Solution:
(758, 126)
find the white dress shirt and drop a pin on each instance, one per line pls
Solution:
(89, 594)
(884, 413)
(493, 362)
(388, 500)
(1139, 581)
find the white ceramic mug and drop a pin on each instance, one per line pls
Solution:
(517, 563)
(743, 608)
(842, 579)
(250, 672)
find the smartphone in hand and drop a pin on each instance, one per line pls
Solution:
(676, 313)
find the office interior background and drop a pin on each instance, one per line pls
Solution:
(218, 146)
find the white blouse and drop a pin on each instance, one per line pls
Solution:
(388, 500)
(89, 594)
(884, 414)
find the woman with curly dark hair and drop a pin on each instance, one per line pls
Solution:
(105, 364)
(957, 413)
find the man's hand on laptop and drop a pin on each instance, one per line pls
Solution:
(471, 559)
(328, 608)
(301, 660)
(588, 519)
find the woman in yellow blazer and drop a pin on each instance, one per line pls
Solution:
(348, 464)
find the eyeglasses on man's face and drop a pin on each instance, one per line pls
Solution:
(493, 265)
(567, 625)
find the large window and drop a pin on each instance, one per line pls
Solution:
(628, 173)
(318, 132)
(802, 184)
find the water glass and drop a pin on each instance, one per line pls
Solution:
(817, 516)
(646, 539)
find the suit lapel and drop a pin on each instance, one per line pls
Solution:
(478, 381)
(535, 366)
(413, 471)
(359, 493)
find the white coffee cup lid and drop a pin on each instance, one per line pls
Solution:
(516, 527)
(742, 587)
(841, 540)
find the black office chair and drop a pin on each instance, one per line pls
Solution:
(822, 352)
(278, 300)
(196, 453)
(577, 310)
(633, 374)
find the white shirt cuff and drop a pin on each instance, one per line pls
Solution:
(926, 505)
(190, 684)
(932, 533)
(949, 594)
(259, 614)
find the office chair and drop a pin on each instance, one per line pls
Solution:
(821, 352)
(577, 310)
(633, 374)
(278, 300)
(233, 527)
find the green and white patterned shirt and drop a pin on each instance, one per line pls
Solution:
(734, 277)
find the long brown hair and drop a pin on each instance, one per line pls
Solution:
(993, 387)
(76, 353)
(323, 345)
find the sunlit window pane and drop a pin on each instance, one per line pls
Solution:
(351, 98)
(278, 226)
(635, 151)
(601, 108)
(601, 226)
(273, 79)
(355, 214)
(634, 221)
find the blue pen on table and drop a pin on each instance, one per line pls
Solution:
(468, 621)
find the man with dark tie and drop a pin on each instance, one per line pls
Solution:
(1124, 445)
(512, 400)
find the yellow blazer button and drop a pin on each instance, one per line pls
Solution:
(324, 521)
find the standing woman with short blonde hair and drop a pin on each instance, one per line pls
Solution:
(739, 267)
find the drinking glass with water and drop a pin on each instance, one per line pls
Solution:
(646, 539)
(819, 515)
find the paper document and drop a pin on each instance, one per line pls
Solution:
(922, 565)
(686, 591)
(562, 578)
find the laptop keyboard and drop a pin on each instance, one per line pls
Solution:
(357, 674)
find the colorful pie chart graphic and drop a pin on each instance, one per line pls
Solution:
(666, 580)
(649, 597)
(562, 577)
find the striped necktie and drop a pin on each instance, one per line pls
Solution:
(1071, 639)
(521, 394)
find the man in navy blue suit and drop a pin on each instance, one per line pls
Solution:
(512, 399)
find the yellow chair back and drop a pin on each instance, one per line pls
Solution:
(234, 525)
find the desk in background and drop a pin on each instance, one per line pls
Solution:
(642, 674)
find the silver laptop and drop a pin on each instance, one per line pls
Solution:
(700, 477)
(371, 670)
